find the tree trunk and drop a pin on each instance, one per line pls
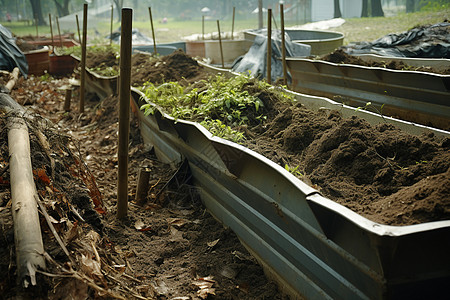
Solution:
(410, 6)
(377, 9)
(337, 9)
(119, 5)
(37, 12)
(63, 9)
(365, 9)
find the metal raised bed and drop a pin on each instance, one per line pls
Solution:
(321, 42)
(418, 97)
(314, 247)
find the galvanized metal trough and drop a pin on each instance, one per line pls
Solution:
(419, 97)
(314, 247)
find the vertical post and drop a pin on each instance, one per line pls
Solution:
(111, 27)
(67, 99)
(78, 27)
(51, 31)
(220, 44)
(260, 14)
(59, 32)
(232, 23)
(36, 23)
(269, 45)
(83, 60)
(203, 27)
(283, 45)
(153, 30)
(142, 186)
(124, 112)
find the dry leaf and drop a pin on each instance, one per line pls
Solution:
(205, 286)
(213, 243)
(177, 222)
(140, 226)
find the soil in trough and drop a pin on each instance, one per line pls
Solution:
(380, 172)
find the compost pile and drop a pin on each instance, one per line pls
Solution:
(168, 247)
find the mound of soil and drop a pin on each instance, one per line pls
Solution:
(352, 162)
(339, 56)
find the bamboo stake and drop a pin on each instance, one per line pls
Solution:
(220, 44)
(269, 45)
(283, 45)
(142, 186)
(59, 32)
(67, 99)
(124, 112)
(153, 30)
(232, 23)
(111, 27)
(83, 59)
(51, 31)
(36, 22)
(27, 230)
(78, 27)
(203, 27)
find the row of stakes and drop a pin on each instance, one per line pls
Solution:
(125, 93)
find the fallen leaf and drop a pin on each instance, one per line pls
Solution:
(177, 222)
(140, 226)
(213, 243)
(205, 286)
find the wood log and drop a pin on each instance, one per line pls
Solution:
(13, 77)
(27, 230)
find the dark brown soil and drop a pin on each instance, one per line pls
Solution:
(161, 251)
(340, 57)
(377, 171)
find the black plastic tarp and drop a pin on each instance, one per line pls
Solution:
(255, 60)
(10, 55)
(421, 42)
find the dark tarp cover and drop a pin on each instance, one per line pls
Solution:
(10, 55)
(431, 41)
(255, 61)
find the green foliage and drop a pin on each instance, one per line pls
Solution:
(434, 5)
(295, 171)
(219, 103)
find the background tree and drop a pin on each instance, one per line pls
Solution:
(119, 5)
(377, 9)
(337, 9)
(62, 7)
(37, 11)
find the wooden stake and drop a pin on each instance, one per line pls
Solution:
(203, 27)
(220, 44)
(111, 28)
(283, 45)
(153, 30)
(232, 23)
(269, 45)
(13, 77)
(124, 112)
(78, 27)
(59, 32)
(67, 99)
(51, 31)
(142, 186)
(83, 59)
(36, 22)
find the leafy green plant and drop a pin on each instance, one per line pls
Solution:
(293, 170)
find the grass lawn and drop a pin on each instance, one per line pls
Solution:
(357, 29)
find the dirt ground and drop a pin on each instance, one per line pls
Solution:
(169, 248)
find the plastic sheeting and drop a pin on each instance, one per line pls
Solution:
(137, 38)
(421, 42)
(10, 55)
(255, 60)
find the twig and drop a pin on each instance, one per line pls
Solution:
(52, 228)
